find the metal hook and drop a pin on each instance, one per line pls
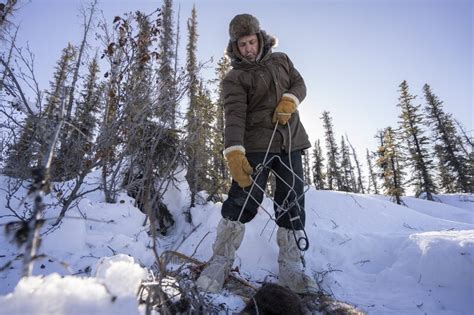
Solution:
(302, 242)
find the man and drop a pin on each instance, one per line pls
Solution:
(262, 89)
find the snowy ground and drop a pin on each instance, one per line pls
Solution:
(384, 258)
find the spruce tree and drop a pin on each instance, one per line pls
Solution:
(455, 175)
(59, 164)
(372, 175)
(333, 172)
(390, 162)
(166, 72)
(306, 168)
(207, 118)
(23, 152)
(417, 143)
(55, 108)
(195, 143)
(347, 175)
(318, 165)
(201, 121)
(36, 135)
(56, 93)
(447, 178)
(191, 58)
(223, 178)
(76, 150)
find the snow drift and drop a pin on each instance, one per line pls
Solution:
(381, 257)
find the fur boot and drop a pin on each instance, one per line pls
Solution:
(290, 270)
(228, 239)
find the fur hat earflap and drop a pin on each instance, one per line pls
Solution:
(243, 25)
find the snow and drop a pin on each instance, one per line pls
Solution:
(112, 290)
(382, 257)
(131, 275)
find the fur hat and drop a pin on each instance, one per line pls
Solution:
(243, 25)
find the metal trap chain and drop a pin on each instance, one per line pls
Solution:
(301, 241)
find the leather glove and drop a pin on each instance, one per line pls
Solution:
(239, 166)
(285, 108)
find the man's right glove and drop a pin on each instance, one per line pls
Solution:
(239, 166)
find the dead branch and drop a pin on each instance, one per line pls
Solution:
(17, 85)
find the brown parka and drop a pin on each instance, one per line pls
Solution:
(252, 90)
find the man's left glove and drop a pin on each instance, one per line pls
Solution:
(239, 166)
(285, 108)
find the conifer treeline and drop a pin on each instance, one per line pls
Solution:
(425, 152)
(125, 120)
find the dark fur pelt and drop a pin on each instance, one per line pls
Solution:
(273, 299)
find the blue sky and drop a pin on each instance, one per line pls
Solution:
(352, 54)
